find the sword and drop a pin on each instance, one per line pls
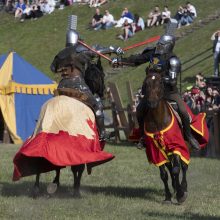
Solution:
(95, 51)
(150, 40)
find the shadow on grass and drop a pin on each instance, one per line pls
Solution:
(191, 216)
(64, 191)
(124, 192)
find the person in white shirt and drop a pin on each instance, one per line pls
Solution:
(216, 50)
(139, 23)
(48, 6)
(108, 20)
(191, 9)
(166, 14)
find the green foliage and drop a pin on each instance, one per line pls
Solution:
(125, 188)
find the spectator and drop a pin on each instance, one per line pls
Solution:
(198, 100)
(185, 18)
(208, 98)
(179, 14)
(96, 3)
(47, 6)
(216, 98)
(37, 11)
(27, 13)
(108, 20)
(216, 50)
(166, 15)
(19, 8)
(200, 81)
(97, 20)
(139, 23)
(125, 15)
(154, 17)
(129, 30)
(192, 11)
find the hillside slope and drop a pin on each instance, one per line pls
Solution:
(38, 41)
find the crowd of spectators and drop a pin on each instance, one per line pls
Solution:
(202, 97)
(26, 9)
(34, 9)
(131, 23)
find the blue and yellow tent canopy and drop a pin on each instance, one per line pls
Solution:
(23, 90)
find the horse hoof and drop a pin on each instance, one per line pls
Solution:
(35, 192)
(77, 194)
(52, 188)
(167, 202)
(182, 199)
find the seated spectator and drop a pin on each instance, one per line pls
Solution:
(97, 20)
(108, 20)
(10, 7)
(19, 8)
(27, 13)
(37, 11)
(192, 11)
(47, 6)
(179, 14)
(154, 17)
(125, 15)
(96, 3)
(189, 14)
(139, 23)
(185, 18)
(128, 30)
(166, 15)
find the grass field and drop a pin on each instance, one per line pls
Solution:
(125, 188)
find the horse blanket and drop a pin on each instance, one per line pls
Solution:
(65, 135)
(169, 141)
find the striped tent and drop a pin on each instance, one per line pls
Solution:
(23, 90)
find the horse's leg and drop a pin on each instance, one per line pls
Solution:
(169, 167)
(164, 177)
(36, 188)
(184, 167)
(52, 187)
(77, 173)
(180, 195)
(57, 177)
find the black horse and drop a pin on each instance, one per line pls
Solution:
(29, 161)
(94, 78)
(158, 118)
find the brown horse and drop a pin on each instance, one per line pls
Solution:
(166, 152)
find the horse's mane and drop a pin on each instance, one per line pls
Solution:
(94, 78)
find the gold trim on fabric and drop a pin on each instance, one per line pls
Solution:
(35, 89)
(202, 122)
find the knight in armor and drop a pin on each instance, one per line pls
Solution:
(72, 62)
(162, 59)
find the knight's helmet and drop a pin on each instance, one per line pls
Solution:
(71, 35)
(165, 44)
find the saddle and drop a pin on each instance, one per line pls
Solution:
(174, 107)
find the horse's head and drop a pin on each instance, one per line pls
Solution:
(153, 89)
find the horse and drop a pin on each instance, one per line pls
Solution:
(65, 135)
(167, 151)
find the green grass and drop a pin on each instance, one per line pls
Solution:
(125, 188)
